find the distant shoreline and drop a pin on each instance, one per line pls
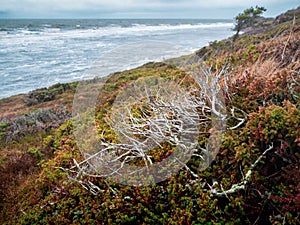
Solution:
(40, 53)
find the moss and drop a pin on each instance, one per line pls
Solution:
(35, 152)
(4, 125)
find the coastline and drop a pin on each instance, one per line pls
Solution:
(253, 179)
(76, 46)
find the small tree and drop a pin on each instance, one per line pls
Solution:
(247, 18)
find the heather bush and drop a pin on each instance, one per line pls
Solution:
(263, 88)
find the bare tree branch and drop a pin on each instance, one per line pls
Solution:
(240, 186)
(146, 117)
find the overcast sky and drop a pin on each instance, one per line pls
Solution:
(226, 9)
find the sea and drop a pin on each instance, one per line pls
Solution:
(39, 53)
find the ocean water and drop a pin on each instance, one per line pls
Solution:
(40, 53)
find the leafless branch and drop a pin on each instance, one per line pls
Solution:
(145, 118)
(240, 186)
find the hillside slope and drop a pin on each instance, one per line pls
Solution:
(264, 88)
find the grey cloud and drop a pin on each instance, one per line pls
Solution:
(158, 8)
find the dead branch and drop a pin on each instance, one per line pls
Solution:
(242, 185)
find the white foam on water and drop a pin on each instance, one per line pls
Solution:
(64, 54)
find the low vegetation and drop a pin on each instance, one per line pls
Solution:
(254, 178)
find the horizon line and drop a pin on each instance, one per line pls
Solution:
(111, 18)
